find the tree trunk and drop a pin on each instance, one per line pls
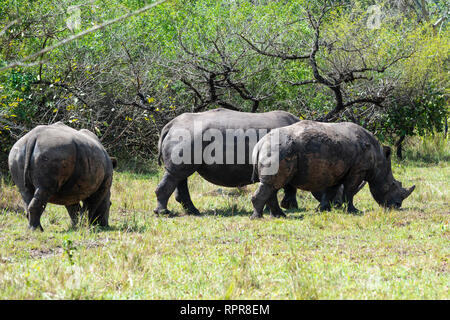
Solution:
(399, 147)
(446, 128)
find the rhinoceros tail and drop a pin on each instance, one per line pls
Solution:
(29, 149)
(255, 159)
(163, 135)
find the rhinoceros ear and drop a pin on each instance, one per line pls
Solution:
(387, 151)
(114, 162)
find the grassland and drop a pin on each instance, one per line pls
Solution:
(223, 254)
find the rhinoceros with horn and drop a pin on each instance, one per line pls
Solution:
(316, 156)
(233, 169)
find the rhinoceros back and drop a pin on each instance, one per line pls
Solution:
(69, 163)
(224, 119)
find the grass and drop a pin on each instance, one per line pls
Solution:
(224, 255)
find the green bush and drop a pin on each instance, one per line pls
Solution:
(428, 148)
(126, 81)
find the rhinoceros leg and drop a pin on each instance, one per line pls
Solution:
(182, 196)
(102, 212)
(260, 198)
(36, 207)
(98, 204)
(289, 200)
(74, 212)
(163, 192)
(275, 210)
(327, 198)
(27, 196)
(351, 187)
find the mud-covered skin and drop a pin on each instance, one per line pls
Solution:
(319, 157)
(228, 175)
(60, 165)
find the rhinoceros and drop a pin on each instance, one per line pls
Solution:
(317, 156)
(60, 165)
(235, 134)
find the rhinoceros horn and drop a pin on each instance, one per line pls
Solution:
(407, 192)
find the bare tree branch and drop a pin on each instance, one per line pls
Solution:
(79, 35)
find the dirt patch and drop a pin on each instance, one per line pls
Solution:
(234, 192)
(402, 223)
(45, 253)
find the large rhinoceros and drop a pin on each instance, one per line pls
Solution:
(235, 133)
(58, 164)
(317, 156)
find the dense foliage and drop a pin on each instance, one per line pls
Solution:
(384, 66)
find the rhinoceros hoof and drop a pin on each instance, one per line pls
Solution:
(280, 214)
(324, 208)
(354, 210)
(192, 211)
(256, 216)
(289, 204)
(162, 212)
(36, 228)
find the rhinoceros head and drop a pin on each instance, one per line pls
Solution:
(395, 194)
(387, 191)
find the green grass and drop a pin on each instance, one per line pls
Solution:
(225, 255)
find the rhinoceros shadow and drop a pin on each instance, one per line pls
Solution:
(226, 212)
(291, 214)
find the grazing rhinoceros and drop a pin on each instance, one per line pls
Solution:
(235, 133)
(316, 156)
(61, 165)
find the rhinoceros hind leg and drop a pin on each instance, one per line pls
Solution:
(183, 197)
(74, 212)
(97, 205)
(163, 192)
(36, 207)
(275, 210)
(260, 198)
(289, 200)
(102, 212)
(27, 196)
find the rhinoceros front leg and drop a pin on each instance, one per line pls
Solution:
(289, 200)
(327, 198)
(183, 197)
(351, 187)
(36, 207)
(348, 198)
(260, 198)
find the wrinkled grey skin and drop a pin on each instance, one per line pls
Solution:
(234, 175)
(60, 165)
(316, 156)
